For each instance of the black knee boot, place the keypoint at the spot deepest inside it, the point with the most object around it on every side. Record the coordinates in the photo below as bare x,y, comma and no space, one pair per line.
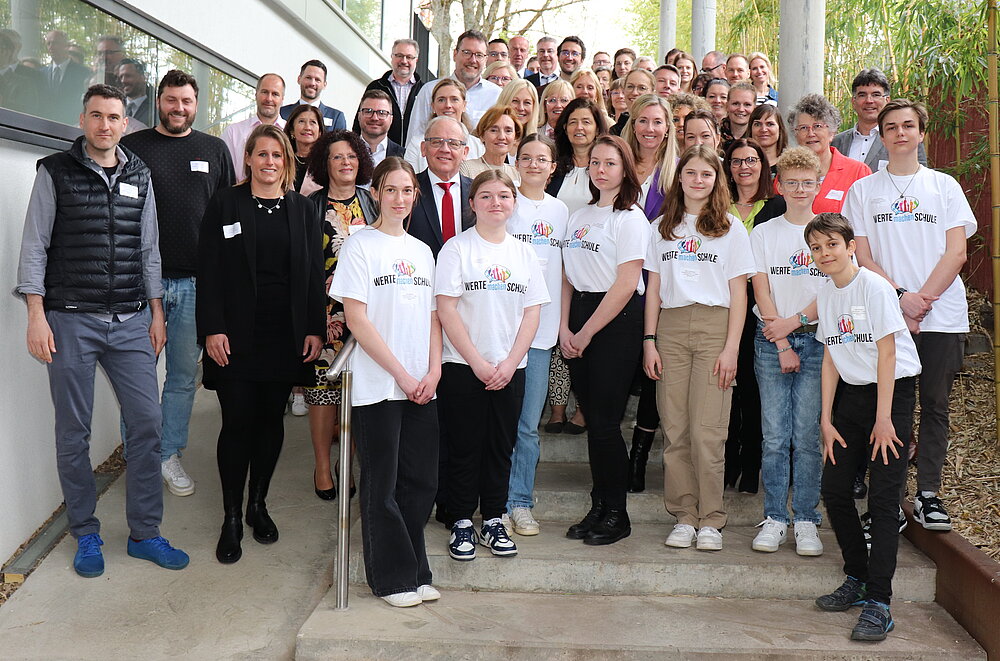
642,440
264,530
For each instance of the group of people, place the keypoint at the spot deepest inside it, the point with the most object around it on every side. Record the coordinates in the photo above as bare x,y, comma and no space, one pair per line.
494,239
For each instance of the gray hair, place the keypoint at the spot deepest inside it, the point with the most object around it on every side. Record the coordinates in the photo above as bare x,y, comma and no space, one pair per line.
441,118
815,105
407,42
548,40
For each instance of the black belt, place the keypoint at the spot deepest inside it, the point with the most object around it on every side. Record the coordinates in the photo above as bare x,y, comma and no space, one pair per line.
811,328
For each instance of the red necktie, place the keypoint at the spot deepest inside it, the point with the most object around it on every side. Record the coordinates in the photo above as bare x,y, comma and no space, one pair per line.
447,213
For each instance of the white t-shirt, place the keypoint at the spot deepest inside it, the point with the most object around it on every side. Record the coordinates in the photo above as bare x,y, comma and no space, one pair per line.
575,190
907,235
493,282
780,252
696,268
542,225
598,240
394,277
853,318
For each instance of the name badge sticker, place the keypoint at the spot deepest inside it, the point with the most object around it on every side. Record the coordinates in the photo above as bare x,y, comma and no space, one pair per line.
835,194
229,231
199,166
859,312
328,121
128,190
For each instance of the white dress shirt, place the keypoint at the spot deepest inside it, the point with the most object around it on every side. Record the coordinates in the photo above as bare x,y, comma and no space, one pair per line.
235,136
861,144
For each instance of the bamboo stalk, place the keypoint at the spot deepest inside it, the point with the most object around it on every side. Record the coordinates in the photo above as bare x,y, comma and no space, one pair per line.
994,116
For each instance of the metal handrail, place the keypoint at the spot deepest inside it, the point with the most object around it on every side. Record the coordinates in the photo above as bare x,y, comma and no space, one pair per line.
337,369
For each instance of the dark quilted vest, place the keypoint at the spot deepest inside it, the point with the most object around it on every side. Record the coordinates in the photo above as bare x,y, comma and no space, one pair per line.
95,255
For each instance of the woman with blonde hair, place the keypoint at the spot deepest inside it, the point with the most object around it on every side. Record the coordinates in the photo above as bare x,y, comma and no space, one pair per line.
555,97
761,78
520,96
649,132
500,73
587,85
500,133
448,99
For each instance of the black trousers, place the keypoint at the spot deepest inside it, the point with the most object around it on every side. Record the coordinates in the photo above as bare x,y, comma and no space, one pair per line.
746,437
480,429
854,417
602,377
397,443
253,431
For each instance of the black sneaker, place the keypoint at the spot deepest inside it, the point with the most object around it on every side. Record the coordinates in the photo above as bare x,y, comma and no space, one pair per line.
874,623
860,489
494,537
851,593
929,512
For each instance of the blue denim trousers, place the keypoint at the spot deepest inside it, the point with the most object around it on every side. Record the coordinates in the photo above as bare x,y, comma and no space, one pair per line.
790,407
526,450
182,352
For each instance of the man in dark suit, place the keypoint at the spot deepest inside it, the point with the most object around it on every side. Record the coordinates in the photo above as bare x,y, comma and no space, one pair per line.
20,85
548,69
401,84
375,119
65,80
312,82
869,94
140,94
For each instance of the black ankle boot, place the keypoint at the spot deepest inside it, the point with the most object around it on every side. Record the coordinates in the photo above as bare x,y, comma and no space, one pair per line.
264,530
228,550
614,526
642,440
580,530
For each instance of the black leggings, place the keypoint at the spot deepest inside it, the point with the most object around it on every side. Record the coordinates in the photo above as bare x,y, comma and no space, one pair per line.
252,433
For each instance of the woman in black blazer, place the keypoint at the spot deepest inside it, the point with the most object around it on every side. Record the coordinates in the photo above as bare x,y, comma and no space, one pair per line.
260,315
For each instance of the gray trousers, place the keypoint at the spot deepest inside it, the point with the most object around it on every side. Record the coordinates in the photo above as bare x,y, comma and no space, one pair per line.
941,356
124,350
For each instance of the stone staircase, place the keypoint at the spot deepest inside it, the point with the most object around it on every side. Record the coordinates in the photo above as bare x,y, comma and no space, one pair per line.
637,599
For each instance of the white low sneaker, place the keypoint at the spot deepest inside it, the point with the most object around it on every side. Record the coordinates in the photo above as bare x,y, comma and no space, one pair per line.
709,539
772,535
681,537
403,599
428,593
299,407
175,477
524,524
807,540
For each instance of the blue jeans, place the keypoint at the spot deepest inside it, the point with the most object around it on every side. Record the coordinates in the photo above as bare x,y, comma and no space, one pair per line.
790,407
526,451
182,352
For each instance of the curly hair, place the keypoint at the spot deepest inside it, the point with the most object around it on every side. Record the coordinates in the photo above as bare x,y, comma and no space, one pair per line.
798,158
318,167
817,107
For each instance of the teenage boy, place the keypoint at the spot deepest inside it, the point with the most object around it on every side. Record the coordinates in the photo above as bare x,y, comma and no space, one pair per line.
788,360
912,224
868,384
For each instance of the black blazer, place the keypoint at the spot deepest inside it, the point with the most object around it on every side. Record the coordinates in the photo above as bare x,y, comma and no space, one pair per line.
65,99
227,270
425,224
392,148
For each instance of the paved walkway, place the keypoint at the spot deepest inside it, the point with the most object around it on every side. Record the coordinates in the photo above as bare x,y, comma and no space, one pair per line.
250,610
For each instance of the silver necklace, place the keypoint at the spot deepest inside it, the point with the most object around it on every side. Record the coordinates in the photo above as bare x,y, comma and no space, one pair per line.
893,182
270,210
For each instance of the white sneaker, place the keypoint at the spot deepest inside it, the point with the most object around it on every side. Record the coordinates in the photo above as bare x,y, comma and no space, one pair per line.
505,520
428,593
681,537
772,535
299,407
524,523
807,540
177,480
709,539
403,599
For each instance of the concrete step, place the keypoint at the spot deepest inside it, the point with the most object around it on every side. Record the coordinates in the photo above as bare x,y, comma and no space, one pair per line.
562,493
642,565
573,448
532,627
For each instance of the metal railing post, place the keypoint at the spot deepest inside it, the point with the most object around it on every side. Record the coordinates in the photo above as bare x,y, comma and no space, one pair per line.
337,369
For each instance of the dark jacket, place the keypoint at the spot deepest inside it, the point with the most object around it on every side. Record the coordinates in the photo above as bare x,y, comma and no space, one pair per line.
64,101
425,224
365,200
333,119
392,148
227,270
95,253
400,116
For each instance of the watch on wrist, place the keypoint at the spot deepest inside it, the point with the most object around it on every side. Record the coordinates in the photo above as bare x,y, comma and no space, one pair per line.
803,319
899,292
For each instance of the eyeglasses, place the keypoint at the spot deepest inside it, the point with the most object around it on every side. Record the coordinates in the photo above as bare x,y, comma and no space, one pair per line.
499,79
570,53
864,96
451,143
711,69
468,53
807,186
339,158
749,161
498,53
404,56
641,89
546,51
381,114
816,128
528,160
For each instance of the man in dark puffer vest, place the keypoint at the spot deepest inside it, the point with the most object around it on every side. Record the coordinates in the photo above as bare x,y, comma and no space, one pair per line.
90,274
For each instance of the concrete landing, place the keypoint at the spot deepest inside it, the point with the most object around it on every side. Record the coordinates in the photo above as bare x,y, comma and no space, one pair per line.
533,627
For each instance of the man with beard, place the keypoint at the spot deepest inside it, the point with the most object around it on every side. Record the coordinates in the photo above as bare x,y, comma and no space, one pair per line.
374,121
187,169
270,92
402,84
312,82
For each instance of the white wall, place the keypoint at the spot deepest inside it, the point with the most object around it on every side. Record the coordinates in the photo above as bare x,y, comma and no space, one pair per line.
261,36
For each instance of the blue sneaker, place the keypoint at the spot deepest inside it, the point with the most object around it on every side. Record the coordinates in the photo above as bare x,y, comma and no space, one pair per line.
852,593
462,545
874,623
89,562
158,551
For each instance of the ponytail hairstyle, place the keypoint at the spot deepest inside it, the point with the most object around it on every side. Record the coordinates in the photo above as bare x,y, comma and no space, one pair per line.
713,220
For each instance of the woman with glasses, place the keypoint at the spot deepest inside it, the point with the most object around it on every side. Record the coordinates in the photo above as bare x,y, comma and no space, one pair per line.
448,99
499,132
767,129
500,73
637,83
521,97
342,161
815,121
616,98
555,97
760,77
